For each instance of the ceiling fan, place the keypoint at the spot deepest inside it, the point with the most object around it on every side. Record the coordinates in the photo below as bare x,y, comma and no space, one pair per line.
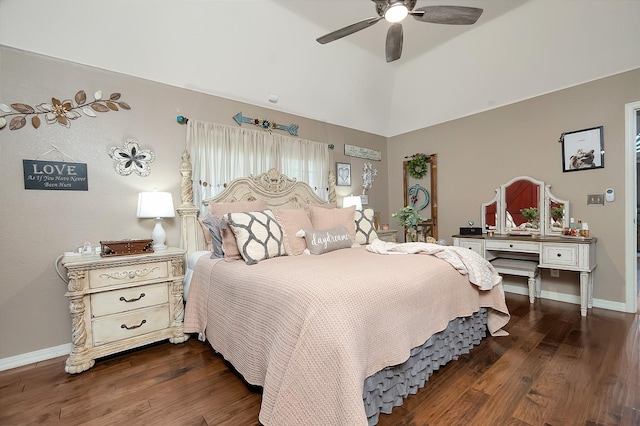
395,11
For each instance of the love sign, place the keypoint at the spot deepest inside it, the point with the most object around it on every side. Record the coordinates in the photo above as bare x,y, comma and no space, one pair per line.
55,175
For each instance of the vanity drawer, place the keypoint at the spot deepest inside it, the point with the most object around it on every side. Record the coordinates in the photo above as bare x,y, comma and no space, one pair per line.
560,255
127,299
476,245
513,245
114,328
128,274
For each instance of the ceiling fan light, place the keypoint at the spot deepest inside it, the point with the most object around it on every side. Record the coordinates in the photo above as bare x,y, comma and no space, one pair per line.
396,12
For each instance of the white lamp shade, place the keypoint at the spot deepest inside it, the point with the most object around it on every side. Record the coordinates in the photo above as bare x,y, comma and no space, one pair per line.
155,204
353,200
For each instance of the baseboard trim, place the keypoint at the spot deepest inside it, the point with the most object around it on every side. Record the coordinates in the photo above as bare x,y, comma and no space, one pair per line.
35,356
568,298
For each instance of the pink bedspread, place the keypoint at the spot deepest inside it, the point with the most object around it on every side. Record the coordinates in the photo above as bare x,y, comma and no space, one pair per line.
310,329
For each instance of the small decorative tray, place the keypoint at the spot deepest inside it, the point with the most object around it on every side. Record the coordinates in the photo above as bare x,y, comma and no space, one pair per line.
125,247
516,232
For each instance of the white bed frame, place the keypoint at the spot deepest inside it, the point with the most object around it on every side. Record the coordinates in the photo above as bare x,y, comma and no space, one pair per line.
278,190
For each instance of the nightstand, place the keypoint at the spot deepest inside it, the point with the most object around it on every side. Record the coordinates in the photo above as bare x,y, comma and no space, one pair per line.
122,302
388,235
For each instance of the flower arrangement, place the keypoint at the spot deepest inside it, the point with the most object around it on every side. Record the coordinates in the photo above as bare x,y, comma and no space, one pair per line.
409,217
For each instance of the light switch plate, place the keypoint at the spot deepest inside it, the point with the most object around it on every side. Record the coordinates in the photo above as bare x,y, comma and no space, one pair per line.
595,199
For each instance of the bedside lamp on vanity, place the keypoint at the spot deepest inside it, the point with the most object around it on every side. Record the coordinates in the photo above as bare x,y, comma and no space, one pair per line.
156,205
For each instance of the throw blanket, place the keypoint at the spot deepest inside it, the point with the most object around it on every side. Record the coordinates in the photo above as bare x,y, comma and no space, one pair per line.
310,329
480,270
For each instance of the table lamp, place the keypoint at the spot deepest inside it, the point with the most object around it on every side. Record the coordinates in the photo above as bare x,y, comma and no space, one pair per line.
353,200
156,205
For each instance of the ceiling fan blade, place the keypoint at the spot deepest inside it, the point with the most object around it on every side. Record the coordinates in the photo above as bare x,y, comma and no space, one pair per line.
451,15
393,47
350,29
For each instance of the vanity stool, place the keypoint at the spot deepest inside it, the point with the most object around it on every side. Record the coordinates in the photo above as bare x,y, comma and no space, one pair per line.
521,268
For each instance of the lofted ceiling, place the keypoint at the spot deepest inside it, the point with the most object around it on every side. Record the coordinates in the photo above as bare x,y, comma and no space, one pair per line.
247,50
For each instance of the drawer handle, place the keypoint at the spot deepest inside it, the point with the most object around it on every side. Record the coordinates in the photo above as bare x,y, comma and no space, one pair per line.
133,326
511,245
559,255
122,298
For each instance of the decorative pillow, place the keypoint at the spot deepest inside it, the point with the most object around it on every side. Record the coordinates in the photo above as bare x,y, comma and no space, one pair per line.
215,237
218,210
258,235
291,221
206,232
326,240
365,230
322,218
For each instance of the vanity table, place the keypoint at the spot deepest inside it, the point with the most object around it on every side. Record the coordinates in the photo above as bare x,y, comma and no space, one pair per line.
552,252
533,243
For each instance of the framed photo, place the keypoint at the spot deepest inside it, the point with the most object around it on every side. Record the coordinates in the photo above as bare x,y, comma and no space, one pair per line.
583,150
343,174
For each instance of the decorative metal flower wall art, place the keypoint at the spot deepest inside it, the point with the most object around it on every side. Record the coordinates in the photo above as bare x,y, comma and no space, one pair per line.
61,112
131,158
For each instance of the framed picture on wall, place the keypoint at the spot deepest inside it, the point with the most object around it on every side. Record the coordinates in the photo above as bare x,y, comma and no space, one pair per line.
583,150
343,174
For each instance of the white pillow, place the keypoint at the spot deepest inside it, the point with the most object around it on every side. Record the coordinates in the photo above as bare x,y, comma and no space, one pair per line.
258,235
365,230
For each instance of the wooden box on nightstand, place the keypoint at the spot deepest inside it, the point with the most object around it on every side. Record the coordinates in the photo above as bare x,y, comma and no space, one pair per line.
388,235
119,303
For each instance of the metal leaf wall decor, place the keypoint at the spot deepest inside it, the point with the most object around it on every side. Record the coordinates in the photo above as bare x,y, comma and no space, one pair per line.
61,112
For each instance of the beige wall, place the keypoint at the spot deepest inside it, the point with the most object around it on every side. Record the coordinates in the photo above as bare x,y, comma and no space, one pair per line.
37,226
475,155
478,153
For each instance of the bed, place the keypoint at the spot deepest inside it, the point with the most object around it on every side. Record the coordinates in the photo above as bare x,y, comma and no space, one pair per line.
340,336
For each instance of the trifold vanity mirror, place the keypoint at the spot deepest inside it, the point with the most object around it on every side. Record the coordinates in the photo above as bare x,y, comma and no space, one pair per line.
525,206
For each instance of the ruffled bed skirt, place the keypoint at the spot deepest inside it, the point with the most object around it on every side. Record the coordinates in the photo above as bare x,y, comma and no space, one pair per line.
388,388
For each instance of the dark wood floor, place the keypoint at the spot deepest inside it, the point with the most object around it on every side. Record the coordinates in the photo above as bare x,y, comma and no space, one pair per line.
555,368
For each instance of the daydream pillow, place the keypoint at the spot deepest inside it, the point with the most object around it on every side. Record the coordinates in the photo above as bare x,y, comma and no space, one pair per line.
291,221
218,210
258,235
326,240
322,218
365,231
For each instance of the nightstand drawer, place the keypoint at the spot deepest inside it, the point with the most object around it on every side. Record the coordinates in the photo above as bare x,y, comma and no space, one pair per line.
561,255
127,274
135,323
127,299
513,245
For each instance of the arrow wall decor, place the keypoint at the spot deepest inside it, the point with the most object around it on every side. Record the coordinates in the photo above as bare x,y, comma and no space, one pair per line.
266,124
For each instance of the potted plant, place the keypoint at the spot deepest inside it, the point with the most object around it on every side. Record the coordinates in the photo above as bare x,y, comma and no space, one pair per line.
531,215
409,217
557,213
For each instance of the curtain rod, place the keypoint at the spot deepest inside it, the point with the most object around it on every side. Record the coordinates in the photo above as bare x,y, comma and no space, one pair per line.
181,119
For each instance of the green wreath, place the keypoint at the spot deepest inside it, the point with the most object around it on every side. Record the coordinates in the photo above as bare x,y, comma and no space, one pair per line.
418,166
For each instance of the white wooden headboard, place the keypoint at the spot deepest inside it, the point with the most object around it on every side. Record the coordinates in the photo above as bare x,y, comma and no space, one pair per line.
278,190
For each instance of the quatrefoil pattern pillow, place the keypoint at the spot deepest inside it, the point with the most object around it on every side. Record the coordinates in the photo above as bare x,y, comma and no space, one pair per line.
365,230
258,235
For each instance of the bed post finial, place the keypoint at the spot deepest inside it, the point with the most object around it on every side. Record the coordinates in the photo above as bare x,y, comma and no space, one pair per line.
332,186
191,237
186,187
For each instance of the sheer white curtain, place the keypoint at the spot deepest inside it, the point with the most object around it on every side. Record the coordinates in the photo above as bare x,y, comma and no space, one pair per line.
221,153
